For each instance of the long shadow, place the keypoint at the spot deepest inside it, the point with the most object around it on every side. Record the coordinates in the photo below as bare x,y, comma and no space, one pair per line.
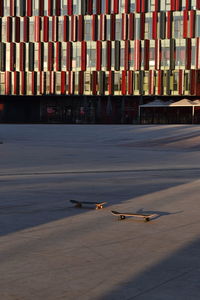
176,277
158,214
36,207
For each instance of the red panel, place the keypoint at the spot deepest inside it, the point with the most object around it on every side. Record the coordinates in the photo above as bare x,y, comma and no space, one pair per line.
192,23
146,54
138,6
16,83
124,27
12,56
198,4
173,5
127,6
130,82
26,29
142,25
151,82
34,83
54,28
69,56
126,55
12,8
137,54
46,29
169,24
178,4
131,26
157,54
192,82
154,25
9,29
116,6
50,8
37,28
23,83
1,7
94,26
17,29
112,27
180,82
188,54
198,54
107,10
71,83
185,23
98,6
102,27
41,8
94,82
188,4
22,57
81,27
52,82
42,87
73,28
124,77
99,56
110,82
143,6
57,7
160,84
58,56
81,83
29,8
50,56
69,7
89,7
7,83
83,55
108,55
157,5
65,28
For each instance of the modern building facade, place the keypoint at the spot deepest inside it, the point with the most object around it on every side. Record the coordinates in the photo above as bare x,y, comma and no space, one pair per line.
88,61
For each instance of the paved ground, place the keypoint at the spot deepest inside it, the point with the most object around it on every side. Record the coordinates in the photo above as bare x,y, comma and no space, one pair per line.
51,250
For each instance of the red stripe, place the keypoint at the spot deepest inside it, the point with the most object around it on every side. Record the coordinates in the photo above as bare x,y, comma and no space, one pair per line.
99,56
16,83
131,26
40,57
192,82
107,11
169,24
94,82
37,28
58,56
12,56
185,23
124,77
81,27
52,82
81,83
41,8
63,83
46,29
157,54
112,27
180,82
146,54
29,8
151,82
188,54
198,53
198,4
160,85
65,28
154,25
17,29
57,7
142,25
173,5
98,7
89,7
83,55
69,56
127,5
192,23
116,6
137,54
50,56
22,57
94,26
50,8
138,6
9,29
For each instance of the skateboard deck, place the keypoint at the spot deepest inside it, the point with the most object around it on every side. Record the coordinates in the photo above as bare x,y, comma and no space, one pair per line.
122,216
98,205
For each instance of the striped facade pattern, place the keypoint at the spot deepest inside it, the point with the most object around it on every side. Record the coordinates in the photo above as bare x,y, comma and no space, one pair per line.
100,47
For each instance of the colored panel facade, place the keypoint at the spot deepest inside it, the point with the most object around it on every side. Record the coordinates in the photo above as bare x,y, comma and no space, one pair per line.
109,47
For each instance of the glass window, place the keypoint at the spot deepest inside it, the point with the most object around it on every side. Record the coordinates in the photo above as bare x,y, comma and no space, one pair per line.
165,53
118,29
180,54
132,6
178,26
87,31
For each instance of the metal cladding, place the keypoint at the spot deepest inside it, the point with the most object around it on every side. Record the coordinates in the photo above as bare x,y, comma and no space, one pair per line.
100,47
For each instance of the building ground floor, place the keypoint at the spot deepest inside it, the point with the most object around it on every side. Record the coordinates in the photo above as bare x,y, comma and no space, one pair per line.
95,110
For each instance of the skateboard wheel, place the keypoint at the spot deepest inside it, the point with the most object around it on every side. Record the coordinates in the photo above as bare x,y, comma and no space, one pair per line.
122,217
147,220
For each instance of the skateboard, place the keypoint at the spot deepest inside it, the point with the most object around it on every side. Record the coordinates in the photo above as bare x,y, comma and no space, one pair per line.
98,205
122,216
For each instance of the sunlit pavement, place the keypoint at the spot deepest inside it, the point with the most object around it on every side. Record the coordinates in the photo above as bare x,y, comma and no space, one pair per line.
51,250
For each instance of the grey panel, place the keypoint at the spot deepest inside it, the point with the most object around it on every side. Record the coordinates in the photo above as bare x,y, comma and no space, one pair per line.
22,7
31,57
117,55
168,75
2,56
162,24
83,7
101,82
172,50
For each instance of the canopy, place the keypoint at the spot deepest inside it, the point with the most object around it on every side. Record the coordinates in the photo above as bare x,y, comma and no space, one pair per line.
169,103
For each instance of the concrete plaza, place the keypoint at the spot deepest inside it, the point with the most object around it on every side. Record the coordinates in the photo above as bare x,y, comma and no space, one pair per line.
51,250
